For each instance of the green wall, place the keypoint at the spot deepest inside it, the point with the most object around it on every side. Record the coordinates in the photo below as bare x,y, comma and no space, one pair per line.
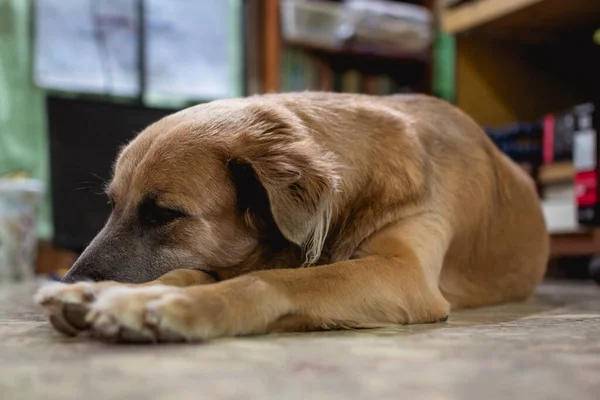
23,141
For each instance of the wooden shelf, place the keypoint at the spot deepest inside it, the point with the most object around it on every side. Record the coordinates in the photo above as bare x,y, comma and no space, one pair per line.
362,51
51,259
539,17
556,172
575,244
507,71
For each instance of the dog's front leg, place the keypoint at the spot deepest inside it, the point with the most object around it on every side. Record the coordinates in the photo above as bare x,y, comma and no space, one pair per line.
394,282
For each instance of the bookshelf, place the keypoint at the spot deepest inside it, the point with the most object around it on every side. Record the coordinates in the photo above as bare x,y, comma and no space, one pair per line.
474,14
518,60
556,172
357,52
542,18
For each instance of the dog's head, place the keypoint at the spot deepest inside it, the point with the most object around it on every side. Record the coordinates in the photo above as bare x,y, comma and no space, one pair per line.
210,188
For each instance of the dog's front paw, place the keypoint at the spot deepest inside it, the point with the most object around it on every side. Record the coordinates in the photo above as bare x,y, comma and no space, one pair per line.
66,305
158,314
199,313
181,315
119,314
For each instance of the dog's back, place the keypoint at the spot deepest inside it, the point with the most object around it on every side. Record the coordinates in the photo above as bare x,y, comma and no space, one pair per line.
406,150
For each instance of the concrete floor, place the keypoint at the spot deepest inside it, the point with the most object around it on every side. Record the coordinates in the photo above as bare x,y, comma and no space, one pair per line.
546,348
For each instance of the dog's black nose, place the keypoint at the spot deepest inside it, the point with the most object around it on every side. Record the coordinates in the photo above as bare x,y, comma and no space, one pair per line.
69,278
74,276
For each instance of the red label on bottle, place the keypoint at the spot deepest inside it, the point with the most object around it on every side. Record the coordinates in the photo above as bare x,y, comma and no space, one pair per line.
586,188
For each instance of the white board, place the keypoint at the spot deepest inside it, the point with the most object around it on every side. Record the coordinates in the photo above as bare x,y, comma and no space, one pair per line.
193,49
87,46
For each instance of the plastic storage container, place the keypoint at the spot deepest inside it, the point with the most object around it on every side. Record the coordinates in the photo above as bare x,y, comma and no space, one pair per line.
320,23
18,235
406,27
399,25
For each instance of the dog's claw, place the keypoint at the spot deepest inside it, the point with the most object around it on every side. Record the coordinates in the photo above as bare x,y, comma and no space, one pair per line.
153,321
152,318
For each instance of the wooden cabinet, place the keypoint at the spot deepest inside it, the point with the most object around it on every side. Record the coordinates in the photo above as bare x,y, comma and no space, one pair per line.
520,59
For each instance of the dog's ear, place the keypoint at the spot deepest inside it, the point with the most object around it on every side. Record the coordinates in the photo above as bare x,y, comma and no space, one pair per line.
298,178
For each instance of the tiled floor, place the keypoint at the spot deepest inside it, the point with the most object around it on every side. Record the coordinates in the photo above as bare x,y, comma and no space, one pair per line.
546,348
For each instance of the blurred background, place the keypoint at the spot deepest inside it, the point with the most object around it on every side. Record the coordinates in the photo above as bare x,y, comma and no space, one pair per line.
79,78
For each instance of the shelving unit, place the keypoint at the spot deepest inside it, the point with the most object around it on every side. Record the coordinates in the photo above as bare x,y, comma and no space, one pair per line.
364,52
350,55
539,17
520,59
575,243
563,171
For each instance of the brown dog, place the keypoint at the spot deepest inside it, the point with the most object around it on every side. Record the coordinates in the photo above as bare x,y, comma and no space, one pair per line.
313,211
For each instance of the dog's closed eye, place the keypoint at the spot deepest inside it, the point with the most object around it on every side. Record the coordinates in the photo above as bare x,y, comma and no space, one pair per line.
151,214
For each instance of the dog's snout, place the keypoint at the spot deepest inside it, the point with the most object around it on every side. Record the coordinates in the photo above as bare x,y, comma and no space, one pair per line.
82,270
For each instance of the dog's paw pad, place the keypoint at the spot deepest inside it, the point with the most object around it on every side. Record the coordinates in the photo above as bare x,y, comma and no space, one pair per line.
61,325
75,315
66,305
